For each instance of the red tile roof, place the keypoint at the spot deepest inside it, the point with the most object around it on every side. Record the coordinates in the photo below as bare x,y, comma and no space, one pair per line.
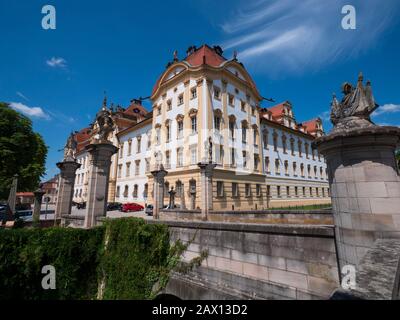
311,125
205,55
24,194
277,110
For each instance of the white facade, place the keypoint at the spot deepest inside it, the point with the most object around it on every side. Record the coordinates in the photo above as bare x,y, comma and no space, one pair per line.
132,165
81,177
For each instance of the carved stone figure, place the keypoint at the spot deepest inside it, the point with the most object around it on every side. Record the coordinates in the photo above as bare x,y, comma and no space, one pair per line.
104,122
70,148
354,110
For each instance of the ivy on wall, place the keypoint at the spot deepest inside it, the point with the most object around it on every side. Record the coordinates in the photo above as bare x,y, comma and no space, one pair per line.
123,259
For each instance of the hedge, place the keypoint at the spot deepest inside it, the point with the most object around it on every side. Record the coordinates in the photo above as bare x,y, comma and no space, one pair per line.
123,259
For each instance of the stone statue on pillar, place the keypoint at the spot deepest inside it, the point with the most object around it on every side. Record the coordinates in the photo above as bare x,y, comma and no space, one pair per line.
101,149
70,148
363,174
206,174
355,108
66,183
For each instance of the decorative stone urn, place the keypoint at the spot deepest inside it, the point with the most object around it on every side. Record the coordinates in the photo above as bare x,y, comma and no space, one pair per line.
363,174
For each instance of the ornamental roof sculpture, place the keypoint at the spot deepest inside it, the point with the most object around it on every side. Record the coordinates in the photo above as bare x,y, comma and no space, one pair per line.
104,123
70,148
354,111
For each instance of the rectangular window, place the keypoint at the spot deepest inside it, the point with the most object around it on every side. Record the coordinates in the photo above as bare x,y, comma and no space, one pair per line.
167,159
277,167
278,191
231,99
137,167
244,134
129,147
147,165
267,168
235,190
296,191
217,123
258,190
138,145
232,129
243,106
194,124
288,191
180,129
244,159
256,162
286,167
193,155
128,169
233,160
119,170
220,189
180,99
168,131
268,191
247,190
179,157
193,93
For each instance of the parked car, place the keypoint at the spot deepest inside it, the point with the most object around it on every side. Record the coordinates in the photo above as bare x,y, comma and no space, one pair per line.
81,205
111,206
25,215
128,207
149,210
23,206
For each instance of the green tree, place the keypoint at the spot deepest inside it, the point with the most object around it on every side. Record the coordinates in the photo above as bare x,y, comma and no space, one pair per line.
22,152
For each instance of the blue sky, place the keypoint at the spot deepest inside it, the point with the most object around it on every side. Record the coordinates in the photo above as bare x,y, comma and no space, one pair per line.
295,50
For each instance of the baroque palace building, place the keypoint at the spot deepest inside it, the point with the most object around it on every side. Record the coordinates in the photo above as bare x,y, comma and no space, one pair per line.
264,157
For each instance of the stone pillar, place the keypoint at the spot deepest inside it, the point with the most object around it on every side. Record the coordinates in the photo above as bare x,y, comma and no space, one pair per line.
365,188
99,175
206,174
65,188
37,205
158,190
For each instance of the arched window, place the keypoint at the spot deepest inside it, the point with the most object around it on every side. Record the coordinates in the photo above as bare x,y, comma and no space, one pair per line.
126,190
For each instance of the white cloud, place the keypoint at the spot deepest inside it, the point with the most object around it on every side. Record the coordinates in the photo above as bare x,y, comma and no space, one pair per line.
57,62
34,112
387,108
283,35
19,94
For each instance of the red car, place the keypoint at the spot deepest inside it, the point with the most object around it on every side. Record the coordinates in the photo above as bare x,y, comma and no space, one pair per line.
128,207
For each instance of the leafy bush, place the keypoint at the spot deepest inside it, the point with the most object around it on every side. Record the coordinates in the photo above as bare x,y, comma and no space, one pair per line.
123,259
73,253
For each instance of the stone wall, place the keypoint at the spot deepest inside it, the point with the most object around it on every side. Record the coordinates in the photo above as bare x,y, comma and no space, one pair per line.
256,261
319,217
